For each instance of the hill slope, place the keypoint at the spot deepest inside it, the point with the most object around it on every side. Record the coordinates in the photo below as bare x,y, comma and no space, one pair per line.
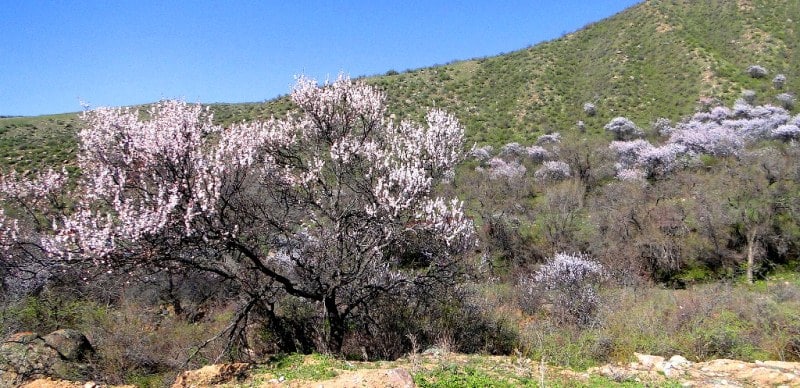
656,59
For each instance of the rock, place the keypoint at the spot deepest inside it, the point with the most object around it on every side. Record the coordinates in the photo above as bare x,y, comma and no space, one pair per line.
722,372
677,360
653,362
399,377
723,365
27,356
212,374
782,365
72,345
675,366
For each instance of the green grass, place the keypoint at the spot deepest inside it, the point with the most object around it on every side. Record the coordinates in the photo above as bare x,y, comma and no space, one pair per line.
300,367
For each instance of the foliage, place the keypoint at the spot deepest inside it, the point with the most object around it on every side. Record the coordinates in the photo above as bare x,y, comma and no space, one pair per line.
460,377
590,109
330,205
299,367
757,71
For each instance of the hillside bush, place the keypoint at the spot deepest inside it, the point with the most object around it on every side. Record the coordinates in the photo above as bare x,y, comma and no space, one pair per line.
550,138
590,109
757,71
779,81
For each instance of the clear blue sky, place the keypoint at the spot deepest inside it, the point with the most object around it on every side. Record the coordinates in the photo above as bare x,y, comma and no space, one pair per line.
55,54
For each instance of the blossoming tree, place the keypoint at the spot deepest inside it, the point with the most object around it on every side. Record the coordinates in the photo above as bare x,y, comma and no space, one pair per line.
330,205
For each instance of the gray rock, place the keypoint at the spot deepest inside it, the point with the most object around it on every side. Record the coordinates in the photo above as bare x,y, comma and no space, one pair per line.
72,345
27,356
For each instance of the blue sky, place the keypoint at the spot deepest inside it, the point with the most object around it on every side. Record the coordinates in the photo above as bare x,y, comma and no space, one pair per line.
55,54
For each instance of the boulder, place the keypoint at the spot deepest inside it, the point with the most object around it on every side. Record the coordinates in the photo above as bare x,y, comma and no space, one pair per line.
70,344
28,356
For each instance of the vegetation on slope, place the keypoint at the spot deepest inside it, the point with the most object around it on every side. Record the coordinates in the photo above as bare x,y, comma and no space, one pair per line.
656,59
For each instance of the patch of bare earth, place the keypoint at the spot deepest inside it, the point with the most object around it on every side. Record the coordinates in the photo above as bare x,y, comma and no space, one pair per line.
648,370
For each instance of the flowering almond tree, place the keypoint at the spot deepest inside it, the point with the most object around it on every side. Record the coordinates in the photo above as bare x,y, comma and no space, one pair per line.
333,205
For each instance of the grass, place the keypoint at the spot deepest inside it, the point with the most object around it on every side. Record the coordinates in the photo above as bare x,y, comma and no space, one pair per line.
447,370
707,321
299,367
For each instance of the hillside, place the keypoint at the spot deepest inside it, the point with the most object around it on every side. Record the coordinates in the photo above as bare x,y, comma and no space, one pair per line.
656,59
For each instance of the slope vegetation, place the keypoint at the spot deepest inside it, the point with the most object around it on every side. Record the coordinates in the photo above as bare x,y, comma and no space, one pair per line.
656,59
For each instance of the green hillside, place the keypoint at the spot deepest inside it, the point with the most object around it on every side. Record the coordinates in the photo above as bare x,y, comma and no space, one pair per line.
656,59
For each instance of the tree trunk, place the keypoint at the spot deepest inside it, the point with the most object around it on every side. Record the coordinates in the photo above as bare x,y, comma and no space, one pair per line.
335,327
751,248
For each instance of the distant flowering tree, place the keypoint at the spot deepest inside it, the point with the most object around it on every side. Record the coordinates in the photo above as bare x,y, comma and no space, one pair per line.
779,81
623,129
718,131
638,159
757,122
500,169
741,107
552,171
333,205
628,151
536,154
709,138
715,114
757,71
570,283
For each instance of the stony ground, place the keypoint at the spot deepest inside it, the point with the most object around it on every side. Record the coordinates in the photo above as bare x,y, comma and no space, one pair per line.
450,369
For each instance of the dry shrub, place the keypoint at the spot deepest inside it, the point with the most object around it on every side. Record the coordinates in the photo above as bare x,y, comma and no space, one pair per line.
135,340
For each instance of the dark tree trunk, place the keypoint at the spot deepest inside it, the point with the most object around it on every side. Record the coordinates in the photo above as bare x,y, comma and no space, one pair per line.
336,327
